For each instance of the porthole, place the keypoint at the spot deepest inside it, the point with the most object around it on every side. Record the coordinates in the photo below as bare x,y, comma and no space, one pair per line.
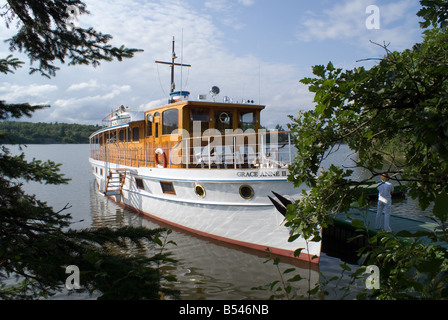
199,190
246,192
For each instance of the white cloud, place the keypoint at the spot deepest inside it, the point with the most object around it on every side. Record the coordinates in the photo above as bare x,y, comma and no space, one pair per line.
346,22
218,5
91,84
246,3
15,93
109,93
226,5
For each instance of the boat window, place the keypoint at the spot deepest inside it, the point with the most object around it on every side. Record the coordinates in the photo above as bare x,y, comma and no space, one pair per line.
202,116
156,125
112,137
170,121
135,134
139,183
128,134
149,121
223,120
167,187
247,120
121,135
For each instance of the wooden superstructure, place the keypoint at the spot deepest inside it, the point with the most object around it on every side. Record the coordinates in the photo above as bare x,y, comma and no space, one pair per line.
135,142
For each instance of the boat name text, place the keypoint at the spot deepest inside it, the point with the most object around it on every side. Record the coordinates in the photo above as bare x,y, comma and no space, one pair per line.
257,174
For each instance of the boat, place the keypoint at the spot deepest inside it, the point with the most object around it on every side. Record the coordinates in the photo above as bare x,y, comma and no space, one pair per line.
203,166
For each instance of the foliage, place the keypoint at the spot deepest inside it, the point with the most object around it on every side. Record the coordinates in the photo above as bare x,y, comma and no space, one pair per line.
403,99
410,269
284,287
37,133
45,36
434,13
37,243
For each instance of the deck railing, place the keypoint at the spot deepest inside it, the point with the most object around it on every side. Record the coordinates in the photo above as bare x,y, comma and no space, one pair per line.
271,149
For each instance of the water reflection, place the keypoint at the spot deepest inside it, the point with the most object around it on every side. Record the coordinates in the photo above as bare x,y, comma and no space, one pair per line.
206,270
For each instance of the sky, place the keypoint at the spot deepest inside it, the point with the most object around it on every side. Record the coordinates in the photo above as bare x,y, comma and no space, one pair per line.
251,49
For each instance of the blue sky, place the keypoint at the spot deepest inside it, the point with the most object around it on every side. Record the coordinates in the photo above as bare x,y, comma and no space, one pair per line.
251,49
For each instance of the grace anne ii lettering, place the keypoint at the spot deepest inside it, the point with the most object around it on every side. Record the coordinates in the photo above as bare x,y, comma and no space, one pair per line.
255,174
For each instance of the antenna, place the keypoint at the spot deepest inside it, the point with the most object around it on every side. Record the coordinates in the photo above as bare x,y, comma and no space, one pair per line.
181,59
172,64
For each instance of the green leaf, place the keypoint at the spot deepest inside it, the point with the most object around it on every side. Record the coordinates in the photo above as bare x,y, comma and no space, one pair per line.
297,252
295,278
289,270
440,209
357,223
345,267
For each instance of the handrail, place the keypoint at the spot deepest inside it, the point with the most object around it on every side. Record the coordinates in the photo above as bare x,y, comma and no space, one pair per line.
230,151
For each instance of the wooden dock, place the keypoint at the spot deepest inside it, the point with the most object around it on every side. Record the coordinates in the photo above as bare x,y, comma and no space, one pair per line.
336,237
397,223
339,239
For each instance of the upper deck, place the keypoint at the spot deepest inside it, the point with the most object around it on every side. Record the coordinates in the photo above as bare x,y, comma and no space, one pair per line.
191,134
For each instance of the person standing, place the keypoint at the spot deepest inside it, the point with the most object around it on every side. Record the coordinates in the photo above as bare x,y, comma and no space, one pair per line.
385,190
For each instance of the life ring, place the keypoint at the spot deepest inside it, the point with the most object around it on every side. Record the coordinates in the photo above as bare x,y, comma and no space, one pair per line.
164,161
224,118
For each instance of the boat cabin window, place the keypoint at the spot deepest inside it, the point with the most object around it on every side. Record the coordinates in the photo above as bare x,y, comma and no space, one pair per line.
167,187
149,121
121,135
112,137
156,125
135,134
223,120
201,116
139,183
247,120
170,121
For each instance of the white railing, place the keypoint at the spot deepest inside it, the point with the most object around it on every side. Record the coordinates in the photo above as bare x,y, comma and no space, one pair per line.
250,150
230,151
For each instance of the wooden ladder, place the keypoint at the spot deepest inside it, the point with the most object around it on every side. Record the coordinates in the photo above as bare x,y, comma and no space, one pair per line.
115,181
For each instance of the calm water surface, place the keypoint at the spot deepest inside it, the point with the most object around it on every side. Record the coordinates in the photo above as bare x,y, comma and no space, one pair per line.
205,270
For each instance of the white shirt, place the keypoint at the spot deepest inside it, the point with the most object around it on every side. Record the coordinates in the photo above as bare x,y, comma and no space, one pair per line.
385,190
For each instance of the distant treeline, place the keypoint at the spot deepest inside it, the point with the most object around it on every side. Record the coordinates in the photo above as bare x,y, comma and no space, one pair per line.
45,133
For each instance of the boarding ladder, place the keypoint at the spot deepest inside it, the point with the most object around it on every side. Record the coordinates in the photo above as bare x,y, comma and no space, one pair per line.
114,182
115,178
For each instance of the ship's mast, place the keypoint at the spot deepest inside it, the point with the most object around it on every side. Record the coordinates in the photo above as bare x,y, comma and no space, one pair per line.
173,64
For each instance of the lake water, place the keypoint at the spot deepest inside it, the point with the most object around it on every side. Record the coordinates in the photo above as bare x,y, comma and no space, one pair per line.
205,270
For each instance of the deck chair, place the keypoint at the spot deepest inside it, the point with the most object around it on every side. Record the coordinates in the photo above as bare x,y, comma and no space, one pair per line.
205,157
248,155
227,156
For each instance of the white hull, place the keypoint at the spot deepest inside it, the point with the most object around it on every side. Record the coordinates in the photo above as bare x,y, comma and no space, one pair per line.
222,213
